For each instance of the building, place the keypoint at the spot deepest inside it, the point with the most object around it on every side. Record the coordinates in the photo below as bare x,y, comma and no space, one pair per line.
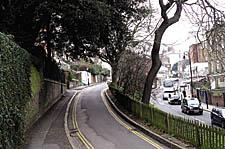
198,53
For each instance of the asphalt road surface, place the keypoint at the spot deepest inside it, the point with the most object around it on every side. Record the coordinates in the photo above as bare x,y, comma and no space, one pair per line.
176,110
101,128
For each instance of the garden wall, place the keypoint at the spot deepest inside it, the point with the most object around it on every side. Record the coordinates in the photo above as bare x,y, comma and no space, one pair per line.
43,98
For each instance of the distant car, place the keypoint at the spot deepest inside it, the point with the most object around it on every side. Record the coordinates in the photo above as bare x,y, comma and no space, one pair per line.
174,97
168,89
191,105
218,116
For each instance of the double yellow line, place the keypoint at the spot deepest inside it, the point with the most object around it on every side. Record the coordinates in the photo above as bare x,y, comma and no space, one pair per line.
126,126
75,125
87,143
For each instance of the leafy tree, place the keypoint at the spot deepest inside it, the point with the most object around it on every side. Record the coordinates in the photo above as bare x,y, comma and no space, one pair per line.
105,72
76,28
95,69
127,17
71,27
17,18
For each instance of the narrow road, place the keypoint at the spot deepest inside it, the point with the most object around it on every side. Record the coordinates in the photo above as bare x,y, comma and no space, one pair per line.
101,128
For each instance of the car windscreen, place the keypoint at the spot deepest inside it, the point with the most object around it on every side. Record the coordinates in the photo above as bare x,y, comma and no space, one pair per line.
193,102
168,84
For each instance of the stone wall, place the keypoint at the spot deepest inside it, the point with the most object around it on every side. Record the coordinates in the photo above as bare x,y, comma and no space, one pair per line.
50,92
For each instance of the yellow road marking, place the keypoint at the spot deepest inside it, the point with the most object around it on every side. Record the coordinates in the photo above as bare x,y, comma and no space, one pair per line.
126,126
75,125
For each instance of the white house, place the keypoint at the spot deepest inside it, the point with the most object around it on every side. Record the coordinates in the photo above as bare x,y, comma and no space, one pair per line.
84,77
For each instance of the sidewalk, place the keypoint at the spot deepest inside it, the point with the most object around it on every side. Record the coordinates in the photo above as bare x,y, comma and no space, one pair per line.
209,109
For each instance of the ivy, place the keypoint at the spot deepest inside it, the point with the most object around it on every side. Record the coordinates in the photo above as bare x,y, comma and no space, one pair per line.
15,91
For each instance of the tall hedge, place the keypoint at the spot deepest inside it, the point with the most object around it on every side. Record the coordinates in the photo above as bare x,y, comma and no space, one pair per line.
15,91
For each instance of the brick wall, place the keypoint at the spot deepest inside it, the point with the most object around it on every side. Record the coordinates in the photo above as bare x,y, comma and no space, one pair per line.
218,100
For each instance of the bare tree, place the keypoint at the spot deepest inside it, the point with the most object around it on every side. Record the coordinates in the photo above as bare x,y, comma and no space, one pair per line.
156,62
209,17
133,66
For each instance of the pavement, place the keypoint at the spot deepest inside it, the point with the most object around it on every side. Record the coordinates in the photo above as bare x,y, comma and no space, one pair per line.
48,132
51,131
207,108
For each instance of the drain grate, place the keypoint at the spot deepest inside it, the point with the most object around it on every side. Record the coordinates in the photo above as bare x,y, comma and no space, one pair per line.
133,129
73,132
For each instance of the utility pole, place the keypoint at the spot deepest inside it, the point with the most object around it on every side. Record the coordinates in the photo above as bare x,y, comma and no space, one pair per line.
188,54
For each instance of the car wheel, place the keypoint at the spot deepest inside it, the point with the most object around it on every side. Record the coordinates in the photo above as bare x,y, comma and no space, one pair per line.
188,112
212,123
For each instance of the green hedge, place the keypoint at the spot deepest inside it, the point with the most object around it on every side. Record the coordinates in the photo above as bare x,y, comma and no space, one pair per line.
15,91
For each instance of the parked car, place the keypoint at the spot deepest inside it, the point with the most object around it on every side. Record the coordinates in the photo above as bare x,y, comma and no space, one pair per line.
218,116
191,105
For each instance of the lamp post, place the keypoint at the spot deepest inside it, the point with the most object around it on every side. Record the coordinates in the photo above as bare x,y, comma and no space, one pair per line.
88,77
188,54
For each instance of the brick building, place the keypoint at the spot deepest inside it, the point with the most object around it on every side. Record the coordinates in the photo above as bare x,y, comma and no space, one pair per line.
198,53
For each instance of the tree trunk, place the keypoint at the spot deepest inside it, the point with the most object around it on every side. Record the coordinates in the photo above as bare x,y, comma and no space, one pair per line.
49,54
156,62
114,75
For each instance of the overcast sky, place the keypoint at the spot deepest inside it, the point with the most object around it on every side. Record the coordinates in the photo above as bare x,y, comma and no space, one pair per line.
180,35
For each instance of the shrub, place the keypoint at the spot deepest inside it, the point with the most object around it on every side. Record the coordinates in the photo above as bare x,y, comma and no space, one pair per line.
217,87
204,88
15,91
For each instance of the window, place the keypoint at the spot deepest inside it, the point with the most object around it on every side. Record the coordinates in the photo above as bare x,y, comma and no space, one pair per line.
168,84
193,102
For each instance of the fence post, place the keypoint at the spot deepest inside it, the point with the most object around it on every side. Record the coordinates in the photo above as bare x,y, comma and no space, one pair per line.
197,132
152,114
168,123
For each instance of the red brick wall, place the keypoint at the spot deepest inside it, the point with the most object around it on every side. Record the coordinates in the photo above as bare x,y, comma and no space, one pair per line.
218,100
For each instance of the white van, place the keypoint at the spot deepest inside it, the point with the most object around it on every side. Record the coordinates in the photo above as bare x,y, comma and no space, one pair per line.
170,92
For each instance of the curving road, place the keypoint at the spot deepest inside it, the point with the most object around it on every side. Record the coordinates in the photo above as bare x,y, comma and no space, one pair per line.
100,128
